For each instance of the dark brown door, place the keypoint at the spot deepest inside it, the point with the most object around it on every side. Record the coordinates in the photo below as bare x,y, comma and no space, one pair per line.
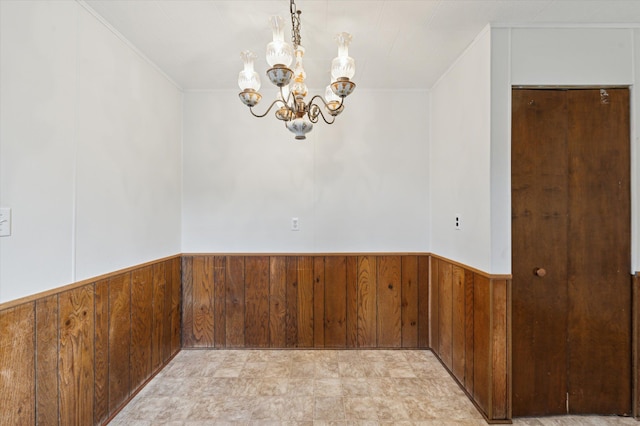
571,319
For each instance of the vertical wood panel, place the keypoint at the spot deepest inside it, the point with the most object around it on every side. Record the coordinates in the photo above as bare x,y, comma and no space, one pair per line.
141,325
352,302
458,323
445,326
291,316
318,301
188,339
481,343
410,284
175,278
423,301
599,251
367,302
257,301
119,339
47,360
335,332
17,381
500,365
389,301
159,296
469,309
278,301
76,357
235,301
434,306
539,218
168,311
203,293
635,299
101,346
305,301
220,297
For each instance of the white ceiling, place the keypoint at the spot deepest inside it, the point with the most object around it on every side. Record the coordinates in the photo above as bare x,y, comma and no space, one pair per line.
397,44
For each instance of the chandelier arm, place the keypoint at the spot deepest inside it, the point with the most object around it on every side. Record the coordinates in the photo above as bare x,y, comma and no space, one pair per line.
285,101
311,119
268,109
325,102
333,118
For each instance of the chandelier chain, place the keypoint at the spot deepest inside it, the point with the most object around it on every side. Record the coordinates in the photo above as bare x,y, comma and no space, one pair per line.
295,24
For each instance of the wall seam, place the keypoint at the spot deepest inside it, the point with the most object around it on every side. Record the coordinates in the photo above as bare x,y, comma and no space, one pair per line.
74,162
126,41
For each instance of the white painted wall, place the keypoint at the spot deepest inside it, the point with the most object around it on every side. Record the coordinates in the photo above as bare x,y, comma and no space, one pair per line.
90,159
555,57
359,185
500,155
460,160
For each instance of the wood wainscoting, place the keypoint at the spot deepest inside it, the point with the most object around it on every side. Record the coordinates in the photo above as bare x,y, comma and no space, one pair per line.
470,333
308,301
76,355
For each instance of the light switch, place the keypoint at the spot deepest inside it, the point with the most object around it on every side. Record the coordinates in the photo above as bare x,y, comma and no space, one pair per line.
5,222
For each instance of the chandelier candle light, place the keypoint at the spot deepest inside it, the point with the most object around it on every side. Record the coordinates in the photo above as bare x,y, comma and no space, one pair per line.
297,114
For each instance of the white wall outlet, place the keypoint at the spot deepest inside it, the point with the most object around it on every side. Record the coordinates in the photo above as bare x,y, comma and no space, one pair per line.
5,222
295,224
458,222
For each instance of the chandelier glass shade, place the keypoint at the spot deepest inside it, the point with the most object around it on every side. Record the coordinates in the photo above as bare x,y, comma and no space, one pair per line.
292,108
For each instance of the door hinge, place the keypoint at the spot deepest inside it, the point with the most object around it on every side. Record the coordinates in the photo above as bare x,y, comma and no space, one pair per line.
567,402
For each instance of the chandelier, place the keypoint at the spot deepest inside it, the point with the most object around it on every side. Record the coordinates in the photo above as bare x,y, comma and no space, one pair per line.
298,115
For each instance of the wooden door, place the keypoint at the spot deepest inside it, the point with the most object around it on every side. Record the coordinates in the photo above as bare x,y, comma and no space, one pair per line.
571,252
539,240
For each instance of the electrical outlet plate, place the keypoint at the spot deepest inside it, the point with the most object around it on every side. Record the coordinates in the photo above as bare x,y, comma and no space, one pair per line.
458,222
5,222
295,224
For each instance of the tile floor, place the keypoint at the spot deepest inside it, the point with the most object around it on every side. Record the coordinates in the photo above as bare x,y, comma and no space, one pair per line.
307,387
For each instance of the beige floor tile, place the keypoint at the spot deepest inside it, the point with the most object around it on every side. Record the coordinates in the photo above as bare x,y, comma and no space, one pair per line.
299,408
267,408
328,408
235,409
402,371
243,386
390,409
377,369
234,371
301,387
275,386
360,408
327,387
352,368
302,369
383,387
355,387
173,409
326,369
